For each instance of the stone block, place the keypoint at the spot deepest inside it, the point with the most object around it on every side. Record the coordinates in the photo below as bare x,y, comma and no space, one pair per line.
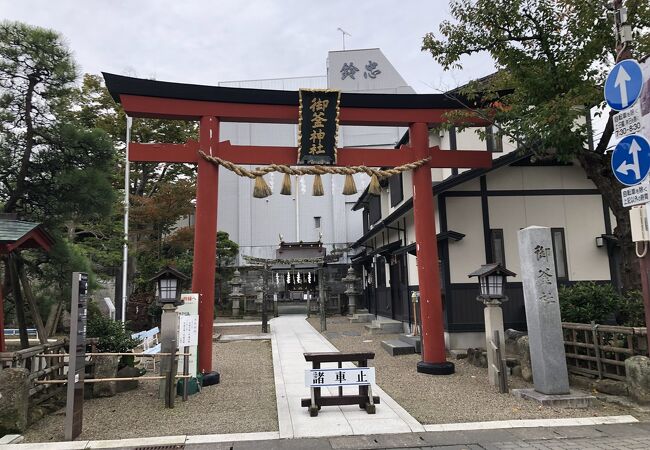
11,439
415,341
127,372
477,357
637,370
105,367
396,347
571,400
14,400
523,353
511,338
611,387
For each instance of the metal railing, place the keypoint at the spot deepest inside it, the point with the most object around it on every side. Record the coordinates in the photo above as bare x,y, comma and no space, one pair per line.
601,350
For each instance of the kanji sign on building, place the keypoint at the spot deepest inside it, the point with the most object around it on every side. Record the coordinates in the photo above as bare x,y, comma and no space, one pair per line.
318,126
357,376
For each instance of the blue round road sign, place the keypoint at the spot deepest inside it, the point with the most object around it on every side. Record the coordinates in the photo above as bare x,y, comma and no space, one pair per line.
631,160
623,85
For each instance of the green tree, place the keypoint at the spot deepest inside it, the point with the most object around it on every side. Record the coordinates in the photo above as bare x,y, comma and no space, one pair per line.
51,170
552,56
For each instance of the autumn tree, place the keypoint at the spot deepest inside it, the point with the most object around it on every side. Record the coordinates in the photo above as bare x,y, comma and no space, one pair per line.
552,56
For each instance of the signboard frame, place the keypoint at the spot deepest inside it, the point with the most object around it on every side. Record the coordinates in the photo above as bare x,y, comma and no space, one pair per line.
73,423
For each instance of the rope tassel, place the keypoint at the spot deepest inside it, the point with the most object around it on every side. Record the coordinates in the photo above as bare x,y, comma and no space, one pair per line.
374,188
286,185
261,189
349,187
317,188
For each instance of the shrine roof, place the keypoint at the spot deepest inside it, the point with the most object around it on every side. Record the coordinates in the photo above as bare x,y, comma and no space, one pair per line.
122,85
21,234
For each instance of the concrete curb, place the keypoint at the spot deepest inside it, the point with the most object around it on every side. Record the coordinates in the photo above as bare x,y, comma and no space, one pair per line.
274,435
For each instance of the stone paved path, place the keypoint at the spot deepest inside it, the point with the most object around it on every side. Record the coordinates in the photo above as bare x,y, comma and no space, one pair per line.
291,336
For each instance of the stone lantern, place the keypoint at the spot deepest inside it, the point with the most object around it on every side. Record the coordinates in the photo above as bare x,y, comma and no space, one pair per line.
236,294
168,292
351,290
168,286
259,291
492,281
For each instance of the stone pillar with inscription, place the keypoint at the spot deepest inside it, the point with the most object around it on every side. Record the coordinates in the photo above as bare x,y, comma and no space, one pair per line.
548,360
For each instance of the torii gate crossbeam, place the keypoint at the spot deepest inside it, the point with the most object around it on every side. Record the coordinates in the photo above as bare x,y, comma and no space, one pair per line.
212,105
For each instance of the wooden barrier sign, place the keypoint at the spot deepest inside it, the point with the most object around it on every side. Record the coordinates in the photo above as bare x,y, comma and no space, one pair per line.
358,376
361,376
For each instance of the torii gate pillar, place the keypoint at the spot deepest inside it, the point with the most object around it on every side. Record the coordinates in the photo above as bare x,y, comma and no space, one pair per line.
433,339
205,239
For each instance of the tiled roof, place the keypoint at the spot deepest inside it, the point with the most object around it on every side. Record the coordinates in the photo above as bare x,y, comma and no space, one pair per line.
13,230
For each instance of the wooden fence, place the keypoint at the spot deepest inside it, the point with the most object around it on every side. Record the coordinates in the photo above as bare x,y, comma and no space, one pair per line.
40,368
601,350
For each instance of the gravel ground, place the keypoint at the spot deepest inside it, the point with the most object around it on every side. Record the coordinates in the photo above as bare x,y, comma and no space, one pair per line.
465,396
243,402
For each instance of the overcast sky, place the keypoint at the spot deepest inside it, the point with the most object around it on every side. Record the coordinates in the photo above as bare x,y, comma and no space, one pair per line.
204,42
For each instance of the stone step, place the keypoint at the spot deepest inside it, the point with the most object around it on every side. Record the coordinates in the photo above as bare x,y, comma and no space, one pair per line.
415,341
397,347
362,318
386,326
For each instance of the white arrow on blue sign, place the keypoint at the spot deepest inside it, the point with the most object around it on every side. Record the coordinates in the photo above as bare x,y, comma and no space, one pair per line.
623,85
631,159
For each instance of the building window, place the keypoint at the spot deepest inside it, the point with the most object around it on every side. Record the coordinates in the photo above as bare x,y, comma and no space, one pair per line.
381,271
374,206
366,220
498,247
493,139
396,190
559,252
317,222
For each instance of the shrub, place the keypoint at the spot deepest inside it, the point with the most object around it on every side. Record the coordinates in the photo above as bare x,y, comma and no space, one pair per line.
631,310
587,301
112,334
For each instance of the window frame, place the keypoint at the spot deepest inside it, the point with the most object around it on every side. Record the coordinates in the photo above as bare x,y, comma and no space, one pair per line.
374,207
564,254
493,139
396,186
497,233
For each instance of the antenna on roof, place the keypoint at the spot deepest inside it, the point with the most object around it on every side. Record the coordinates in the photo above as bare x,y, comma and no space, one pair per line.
343,34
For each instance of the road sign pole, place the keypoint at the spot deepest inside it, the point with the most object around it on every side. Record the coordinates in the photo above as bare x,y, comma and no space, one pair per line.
623,52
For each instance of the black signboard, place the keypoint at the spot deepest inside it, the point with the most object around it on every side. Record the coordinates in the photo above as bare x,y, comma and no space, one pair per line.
318,126
77,360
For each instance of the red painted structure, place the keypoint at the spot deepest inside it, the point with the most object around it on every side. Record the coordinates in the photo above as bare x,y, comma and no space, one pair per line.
36,237
210,105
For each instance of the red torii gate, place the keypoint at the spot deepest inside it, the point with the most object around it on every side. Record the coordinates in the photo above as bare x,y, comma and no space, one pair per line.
211,105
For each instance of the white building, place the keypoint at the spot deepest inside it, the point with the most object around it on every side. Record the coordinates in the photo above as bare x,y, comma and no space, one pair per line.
256,224
478,214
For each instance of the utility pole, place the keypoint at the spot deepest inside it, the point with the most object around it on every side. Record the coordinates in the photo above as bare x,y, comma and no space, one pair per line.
624,51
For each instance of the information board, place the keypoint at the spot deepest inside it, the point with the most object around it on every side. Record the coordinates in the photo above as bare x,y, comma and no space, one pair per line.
73,422
189,308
